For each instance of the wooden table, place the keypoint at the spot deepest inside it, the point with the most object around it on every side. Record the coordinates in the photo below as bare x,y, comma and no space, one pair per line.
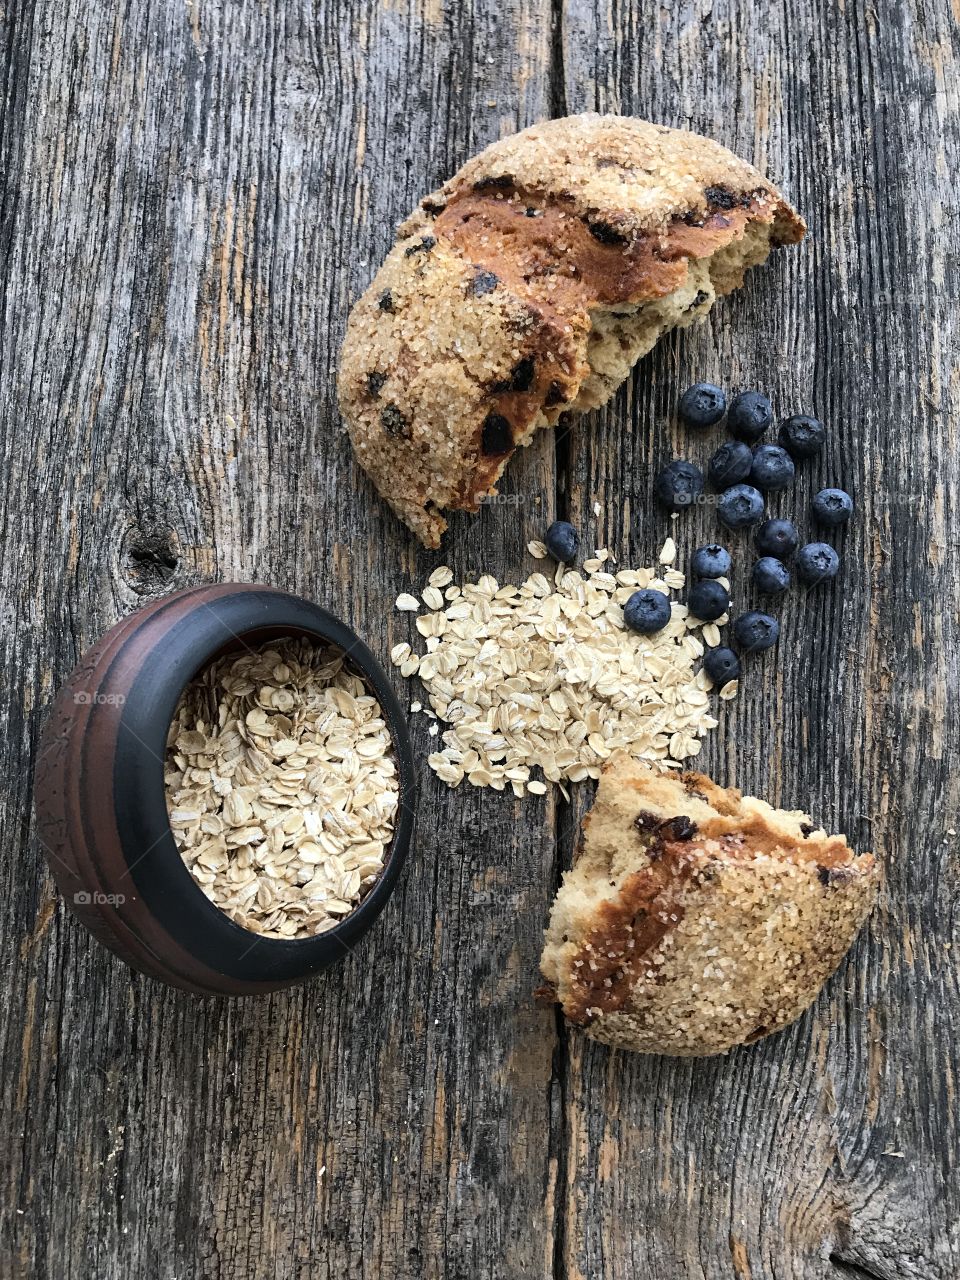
193,195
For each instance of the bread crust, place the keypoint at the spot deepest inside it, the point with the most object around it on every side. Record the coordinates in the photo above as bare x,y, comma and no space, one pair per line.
529,284
695,918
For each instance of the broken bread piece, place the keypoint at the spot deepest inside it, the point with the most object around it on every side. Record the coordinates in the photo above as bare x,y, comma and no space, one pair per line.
530,284
695,918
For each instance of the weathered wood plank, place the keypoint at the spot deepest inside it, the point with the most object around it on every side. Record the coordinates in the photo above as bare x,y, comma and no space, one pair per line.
192,195
202,190
826,1144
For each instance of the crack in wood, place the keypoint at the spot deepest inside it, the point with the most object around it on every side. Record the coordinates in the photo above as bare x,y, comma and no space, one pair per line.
854,1267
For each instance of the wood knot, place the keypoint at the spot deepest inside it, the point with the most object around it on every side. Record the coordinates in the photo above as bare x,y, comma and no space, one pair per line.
149,560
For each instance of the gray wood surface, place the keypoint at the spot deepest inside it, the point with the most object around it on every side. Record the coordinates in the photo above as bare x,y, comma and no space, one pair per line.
192,195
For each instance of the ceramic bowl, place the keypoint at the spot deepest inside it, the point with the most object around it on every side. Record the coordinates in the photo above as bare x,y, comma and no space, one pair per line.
101,808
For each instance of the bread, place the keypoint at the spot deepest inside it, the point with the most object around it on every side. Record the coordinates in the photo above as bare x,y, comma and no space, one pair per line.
696,919
529,284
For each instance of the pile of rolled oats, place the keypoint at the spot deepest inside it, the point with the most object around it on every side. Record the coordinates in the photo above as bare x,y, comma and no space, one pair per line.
282,787
546,676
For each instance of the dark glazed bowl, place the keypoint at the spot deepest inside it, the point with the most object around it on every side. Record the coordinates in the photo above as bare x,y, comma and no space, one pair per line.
101,808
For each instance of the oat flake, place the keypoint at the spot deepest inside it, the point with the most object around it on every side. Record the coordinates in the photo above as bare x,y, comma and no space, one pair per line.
281,786
546,676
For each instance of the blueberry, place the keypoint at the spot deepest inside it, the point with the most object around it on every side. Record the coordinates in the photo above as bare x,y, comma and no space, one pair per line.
647,611
739,506
817,562
730,464
708,600
772,467
702,405
755,631
770,576
721,665
777,538
832,507
679,484
712,561
802,436
563,541
750,415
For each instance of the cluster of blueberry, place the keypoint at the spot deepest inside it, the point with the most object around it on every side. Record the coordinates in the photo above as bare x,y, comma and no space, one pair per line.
768,467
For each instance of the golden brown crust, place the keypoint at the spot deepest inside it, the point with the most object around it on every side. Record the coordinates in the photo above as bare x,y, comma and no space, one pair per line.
696,918
528,284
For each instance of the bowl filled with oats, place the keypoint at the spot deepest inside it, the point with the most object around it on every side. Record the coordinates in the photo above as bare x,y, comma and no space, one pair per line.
226,789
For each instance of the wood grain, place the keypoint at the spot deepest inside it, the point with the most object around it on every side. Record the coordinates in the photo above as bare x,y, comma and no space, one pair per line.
827,1143
192,195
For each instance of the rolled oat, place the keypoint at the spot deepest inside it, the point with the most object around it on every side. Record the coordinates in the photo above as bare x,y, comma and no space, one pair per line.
546,676
281,786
